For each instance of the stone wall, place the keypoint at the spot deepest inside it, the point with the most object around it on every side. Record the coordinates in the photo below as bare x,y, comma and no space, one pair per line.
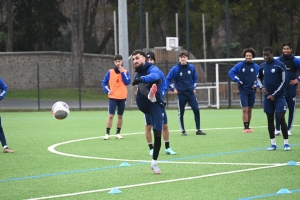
56,69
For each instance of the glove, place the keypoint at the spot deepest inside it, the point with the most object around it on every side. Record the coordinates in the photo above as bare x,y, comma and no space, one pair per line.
2,95
136,81
236,79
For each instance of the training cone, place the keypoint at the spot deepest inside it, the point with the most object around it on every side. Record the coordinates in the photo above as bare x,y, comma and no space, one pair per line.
114,191
291,163
124,164
284,191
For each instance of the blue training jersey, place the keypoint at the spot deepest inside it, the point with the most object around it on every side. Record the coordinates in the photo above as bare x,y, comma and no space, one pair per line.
272,76
184,76
3,88
292,66
149,75
246,72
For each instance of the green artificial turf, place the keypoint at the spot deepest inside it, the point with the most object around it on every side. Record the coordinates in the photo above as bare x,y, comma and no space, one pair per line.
67,159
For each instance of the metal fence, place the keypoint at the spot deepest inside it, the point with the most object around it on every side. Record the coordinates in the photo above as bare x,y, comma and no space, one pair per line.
81,89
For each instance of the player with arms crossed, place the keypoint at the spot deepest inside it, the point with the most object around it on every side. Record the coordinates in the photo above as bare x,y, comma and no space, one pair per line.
114,85
292,66
185,82
272,78
244,73
150,75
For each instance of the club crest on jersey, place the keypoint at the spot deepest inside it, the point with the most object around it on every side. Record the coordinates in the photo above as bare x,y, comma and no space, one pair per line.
180,73
189,72
252,70
243,69
273,70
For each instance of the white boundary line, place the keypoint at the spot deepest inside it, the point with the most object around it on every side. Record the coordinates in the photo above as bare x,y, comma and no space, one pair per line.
157,182
52,149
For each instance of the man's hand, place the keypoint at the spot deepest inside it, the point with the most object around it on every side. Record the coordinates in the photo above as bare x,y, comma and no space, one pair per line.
121,69
271,98
294,82
136,81
264,90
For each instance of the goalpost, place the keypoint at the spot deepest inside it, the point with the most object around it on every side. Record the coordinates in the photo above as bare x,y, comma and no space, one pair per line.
216,86
219,64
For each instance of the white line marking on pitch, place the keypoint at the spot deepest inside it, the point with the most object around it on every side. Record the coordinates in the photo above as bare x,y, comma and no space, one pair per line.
52,149
157,182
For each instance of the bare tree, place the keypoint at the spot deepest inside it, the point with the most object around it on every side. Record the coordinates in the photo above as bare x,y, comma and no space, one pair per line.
89,22
77,37
9,20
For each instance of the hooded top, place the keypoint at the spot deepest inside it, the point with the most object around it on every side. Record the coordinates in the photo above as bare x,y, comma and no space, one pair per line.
246,72
185,78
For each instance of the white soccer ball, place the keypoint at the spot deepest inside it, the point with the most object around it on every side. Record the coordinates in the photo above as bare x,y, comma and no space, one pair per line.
60,110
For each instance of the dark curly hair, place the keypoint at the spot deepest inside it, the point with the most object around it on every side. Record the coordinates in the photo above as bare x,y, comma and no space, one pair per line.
250,50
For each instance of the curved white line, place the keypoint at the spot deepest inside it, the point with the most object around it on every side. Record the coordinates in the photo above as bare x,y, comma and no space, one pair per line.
52,150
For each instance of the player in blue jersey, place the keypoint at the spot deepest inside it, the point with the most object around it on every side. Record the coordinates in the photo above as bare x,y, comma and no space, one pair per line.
292,65
3,91
114,84
150,75
244,73
165,132
185,82
271,79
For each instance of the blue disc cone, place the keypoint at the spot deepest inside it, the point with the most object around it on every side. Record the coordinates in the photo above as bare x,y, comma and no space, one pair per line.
284,191
124,164
114,191
291,163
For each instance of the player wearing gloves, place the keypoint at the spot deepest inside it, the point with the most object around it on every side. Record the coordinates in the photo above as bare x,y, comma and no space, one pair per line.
185,82
3,90
114,85
244,73
272,79
150,75
292,66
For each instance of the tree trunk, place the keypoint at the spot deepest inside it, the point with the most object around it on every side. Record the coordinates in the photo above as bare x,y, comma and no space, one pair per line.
77,39
10,18
89,29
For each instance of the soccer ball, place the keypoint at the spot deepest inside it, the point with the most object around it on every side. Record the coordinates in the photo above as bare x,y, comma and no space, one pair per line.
60,110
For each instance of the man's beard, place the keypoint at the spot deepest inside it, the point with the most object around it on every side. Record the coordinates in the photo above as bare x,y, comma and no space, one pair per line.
138,68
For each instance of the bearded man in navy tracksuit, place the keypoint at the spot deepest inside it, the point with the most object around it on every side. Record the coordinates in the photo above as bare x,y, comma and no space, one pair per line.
150,75
272,78
292,66
185,82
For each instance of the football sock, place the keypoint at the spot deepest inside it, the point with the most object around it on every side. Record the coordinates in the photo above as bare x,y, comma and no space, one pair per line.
157,143
273,141
246,125
118,130
150,146
167,144
107,131
286,141
153,162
